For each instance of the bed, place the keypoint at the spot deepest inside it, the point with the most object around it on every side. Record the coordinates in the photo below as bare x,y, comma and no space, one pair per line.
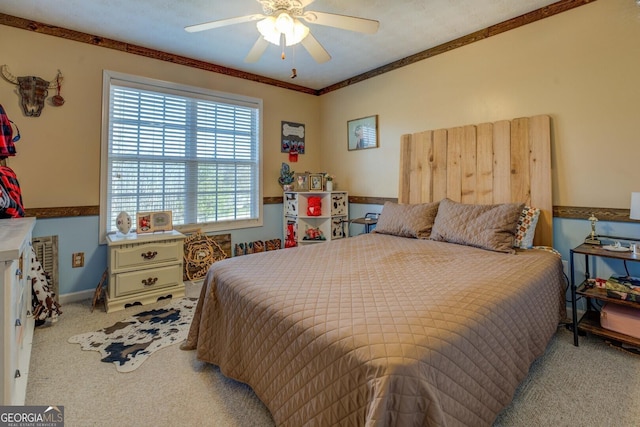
432,320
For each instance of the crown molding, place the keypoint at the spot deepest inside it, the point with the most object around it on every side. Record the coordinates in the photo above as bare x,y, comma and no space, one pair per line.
519,21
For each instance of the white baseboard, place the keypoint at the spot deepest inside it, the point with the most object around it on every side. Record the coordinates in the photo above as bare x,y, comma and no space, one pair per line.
76,296
88,294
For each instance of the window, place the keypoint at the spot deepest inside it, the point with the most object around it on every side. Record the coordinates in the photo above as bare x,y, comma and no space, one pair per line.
192,151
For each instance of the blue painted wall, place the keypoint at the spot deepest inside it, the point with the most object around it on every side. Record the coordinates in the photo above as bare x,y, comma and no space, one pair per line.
569,233
77,234
80,234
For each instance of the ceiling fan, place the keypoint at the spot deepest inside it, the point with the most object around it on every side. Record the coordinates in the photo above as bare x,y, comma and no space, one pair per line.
280,24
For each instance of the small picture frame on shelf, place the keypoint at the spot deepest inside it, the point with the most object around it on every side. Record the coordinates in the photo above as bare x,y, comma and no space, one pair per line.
302,182
150,222
315,182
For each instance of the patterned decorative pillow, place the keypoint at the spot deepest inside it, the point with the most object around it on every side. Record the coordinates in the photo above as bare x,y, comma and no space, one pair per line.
490,227
407,220
526,228
548,249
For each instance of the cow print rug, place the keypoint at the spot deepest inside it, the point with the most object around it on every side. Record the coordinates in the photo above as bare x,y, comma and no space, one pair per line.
130,342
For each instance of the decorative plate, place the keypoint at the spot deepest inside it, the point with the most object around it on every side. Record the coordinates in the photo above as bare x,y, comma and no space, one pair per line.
616,248
200,252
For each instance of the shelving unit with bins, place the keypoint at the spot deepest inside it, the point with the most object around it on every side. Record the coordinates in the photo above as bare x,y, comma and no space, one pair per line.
590,321
333,221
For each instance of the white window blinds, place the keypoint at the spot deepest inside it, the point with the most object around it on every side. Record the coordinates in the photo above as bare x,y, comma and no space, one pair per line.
182,150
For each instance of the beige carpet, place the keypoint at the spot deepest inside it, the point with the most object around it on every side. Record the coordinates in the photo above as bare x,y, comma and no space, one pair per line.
590,385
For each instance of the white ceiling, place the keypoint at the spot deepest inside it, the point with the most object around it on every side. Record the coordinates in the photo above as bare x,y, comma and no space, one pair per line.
406,27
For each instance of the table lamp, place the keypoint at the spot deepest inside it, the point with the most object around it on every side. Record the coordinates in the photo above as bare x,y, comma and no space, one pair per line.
635,213
635,206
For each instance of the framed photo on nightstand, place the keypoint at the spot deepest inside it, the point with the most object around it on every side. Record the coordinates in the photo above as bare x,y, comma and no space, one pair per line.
150,222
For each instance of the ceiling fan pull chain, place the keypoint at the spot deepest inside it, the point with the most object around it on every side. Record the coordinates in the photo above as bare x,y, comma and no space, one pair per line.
283,43
294,72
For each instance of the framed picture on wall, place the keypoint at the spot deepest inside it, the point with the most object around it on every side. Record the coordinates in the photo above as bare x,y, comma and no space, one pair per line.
292,137
362,133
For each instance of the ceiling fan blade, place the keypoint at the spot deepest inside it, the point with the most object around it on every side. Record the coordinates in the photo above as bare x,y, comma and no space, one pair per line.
351,23
223,22
257,50
315,49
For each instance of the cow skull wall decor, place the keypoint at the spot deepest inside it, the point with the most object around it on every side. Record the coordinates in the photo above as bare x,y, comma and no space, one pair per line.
33,91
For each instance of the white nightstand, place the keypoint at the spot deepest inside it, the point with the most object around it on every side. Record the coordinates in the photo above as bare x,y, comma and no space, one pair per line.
144,267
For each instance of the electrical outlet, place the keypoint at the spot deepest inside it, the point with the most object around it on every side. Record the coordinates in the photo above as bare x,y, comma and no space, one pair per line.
77,260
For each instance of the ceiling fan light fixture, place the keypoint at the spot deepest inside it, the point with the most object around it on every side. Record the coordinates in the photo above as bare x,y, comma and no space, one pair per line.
280,24
271,29
267,27
300,31
284,23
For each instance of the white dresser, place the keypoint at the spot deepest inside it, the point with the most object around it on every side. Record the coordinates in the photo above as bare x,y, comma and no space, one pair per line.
16,333
144,267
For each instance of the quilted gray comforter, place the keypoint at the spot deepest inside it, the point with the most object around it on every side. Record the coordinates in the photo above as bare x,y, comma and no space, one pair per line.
380,330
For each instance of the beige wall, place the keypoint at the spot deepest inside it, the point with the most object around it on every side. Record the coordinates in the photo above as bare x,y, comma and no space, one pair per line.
581,67
58,161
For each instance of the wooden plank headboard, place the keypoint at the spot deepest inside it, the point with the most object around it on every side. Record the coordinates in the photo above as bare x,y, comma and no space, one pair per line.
501,162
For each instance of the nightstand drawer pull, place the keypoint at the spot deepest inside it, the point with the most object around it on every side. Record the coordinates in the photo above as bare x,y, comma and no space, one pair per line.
17,374
149,255
150,281
18,322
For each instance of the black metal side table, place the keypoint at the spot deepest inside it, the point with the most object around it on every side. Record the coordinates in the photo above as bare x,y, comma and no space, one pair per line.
369,220
590,320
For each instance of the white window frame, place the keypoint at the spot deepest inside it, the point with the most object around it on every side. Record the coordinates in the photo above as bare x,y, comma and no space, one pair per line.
121,79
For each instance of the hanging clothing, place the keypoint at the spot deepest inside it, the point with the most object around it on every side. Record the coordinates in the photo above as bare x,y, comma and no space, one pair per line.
10,194
7,146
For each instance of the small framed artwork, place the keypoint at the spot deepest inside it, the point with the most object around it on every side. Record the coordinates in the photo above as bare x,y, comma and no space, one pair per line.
292,138
150,222
315,182
362,133
302,182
